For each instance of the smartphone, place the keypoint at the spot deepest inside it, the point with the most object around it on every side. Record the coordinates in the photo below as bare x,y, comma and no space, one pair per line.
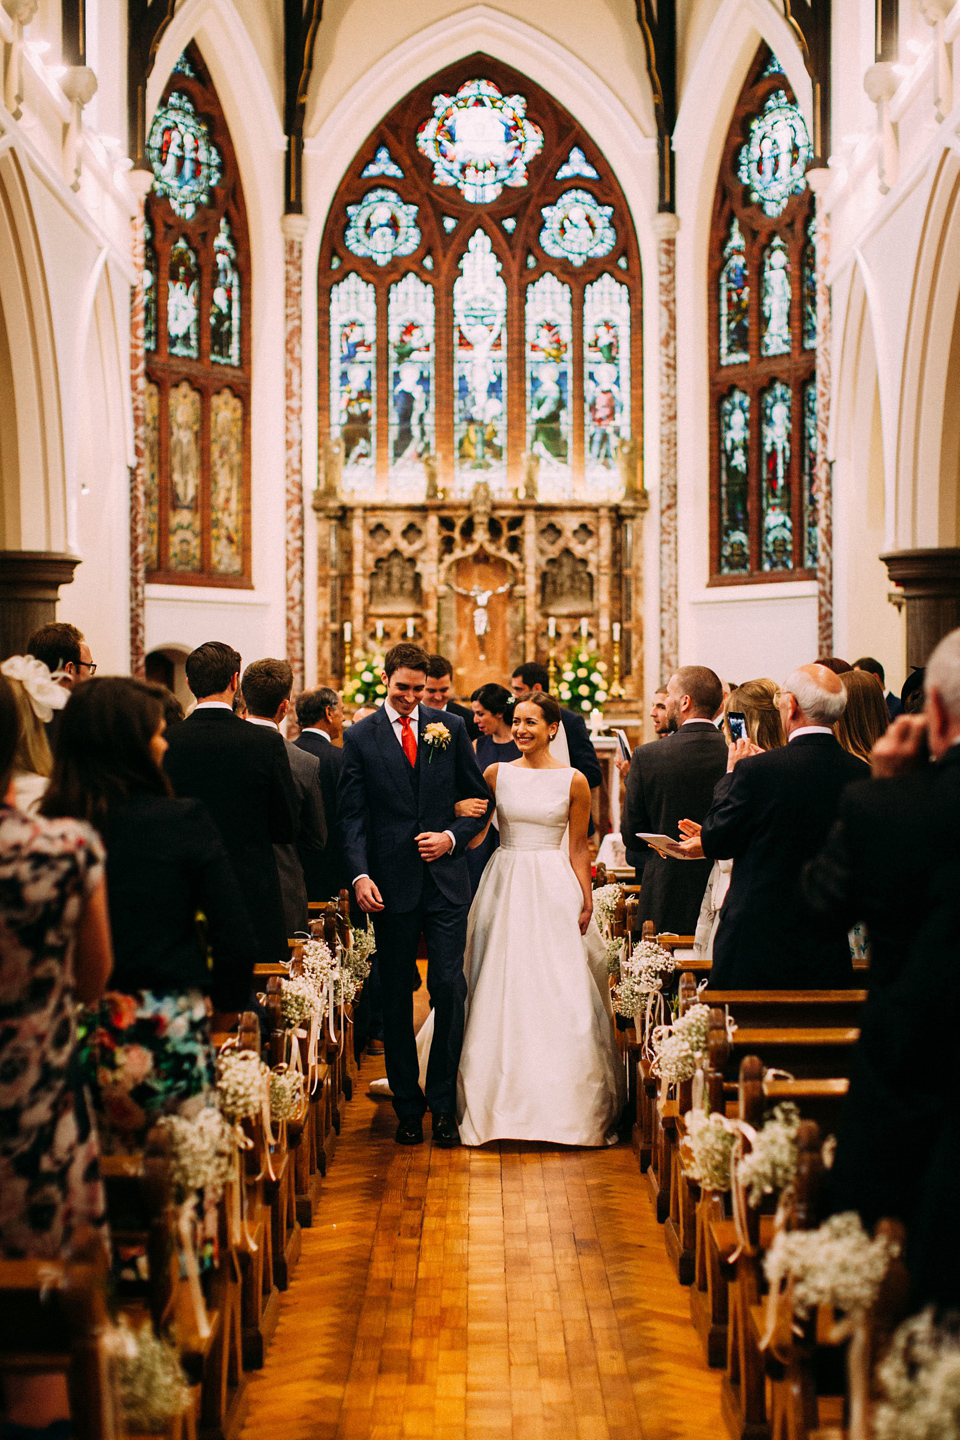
737,723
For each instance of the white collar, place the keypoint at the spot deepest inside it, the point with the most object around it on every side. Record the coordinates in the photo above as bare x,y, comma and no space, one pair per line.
809,730
212,705
262,720
315,730
696,720
394,715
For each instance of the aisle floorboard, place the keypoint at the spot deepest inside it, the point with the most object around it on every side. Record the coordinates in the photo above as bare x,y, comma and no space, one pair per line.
516,1291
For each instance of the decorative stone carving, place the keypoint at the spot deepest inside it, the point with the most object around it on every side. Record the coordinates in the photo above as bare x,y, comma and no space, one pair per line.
566,587
395,585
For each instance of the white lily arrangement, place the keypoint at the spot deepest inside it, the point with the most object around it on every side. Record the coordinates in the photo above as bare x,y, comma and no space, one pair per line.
152,1387
920,1382
838,1264
709,1140
772,1162
201,1154
241,1076
437,736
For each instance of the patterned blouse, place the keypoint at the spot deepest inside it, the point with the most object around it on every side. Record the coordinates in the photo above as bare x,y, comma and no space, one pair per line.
49,1158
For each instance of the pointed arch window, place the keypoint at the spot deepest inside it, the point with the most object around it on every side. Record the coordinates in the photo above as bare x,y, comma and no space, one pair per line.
763,335
197,341
479,299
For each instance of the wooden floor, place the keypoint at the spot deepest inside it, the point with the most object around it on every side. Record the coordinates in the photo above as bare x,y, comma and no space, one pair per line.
512,1291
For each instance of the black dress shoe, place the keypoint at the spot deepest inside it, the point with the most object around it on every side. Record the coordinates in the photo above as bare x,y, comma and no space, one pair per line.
445,1132
409,1132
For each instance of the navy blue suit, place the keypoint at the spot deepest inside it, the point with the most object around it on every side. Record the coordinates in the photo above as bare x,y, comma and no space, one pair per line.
383,803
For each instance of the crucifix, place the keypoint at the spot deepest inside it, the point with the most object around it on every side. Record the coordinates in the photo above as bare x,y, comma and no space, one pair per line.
481,616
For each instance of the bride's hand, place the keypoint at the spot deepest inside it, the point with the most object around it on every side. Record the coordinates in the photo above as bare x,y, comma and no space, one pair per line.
471,808
585,915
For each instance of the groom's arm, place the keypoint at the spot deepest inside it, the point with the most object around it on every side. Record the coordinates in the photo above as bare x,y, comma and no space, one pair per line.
352,810
469,784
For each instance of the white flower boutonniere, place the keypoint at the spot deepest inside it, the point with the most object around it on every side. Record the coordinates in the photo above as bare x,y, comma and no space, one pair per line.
436,736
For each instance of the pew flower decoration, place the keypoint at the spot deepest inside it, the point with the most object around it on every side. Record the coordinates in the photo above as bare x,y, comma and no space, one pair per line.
695,1025
201,1154
286,1094
363,684
583,681
641,979
613,950
363,942
354,969
153,1389
674,1058
241,1076
298,1001
919,1380
772,1162
437,736
709,1142
837,1265
605,901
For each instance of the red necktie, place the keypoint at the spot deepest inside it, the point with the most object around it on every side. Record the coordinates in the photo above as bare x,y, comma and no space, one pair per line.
408,740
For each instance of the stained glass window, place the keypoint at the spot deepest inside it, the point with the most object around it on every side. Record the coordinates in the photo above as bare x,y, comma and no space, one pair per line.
382,227
480,358
811,543
777,522
549,342
734,300
196,331
763,324
734,469
353,369
459,346
479,140
576,228
775,297
410,322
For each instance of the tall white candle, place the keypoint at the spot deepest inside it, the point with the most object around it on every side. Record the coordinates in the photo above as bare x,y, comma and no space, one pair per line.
616,632
347,631
379,629
583,627
410,627
552,626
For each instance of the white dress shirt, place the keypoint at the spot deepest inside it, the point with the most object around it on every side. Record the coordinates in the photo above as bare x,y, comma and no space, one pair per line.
262,720
211,705
315,730
809,730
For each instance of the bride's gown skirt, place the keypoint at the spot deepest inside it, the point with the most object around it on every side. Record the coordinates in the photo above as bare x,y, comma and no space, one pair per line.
540,1059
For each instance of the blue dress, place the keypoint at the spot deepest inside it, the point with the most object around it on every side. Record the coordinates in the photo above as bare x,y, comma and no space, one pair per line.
489,752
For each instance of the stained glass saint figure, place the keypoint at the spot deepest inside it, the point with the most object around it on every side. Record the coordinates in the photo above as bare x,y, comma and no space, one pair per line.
480,357
734,301
225,300
353,337
734,464
776,294
811,544
182,302
777,522
549,342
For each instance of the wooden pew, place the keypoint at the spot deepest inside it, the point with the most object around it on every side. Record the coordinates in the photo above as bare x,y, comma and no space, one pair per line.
280,1193
260,1297
807,1052
761,1009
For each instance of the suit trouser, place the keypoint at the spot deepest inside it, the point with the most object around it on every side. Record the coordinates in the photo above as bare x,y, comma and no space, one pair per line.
444,927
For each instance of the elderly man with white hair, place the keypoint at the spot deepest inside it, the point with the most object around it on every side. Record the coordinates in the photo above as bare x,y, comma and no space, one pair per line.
894,833
771,813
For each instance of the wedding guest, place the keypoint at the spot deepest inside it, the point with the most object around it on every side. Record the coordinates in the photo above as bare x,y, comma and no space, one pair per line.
242,774
266,689
912,693
658,714
149,1048
580,752
54,953
865,717
834,663
321,718
890,837
771,813
363,713
64,651
493,708
672,780
172,709
38,698
439,689
873,667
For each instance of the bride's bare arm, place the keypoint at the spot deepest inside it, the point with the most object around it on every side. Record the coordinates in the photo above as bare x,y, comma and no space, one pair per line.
490,775
579,855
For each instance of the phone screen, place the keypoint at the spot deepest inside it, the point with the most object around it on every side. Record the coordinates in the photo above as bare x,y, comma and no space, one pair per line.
737,722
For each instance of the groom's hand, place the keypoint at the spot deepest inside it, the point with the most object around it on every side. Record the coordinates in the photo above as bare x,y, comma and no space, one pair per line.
368,896
433,843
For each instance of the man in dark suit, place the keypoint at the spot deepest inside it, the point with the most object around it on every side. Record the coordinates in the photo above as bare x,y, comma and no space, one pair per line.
770,815
670,780
266,687
242,774
320,717
892,832
405,851
583,757
439,689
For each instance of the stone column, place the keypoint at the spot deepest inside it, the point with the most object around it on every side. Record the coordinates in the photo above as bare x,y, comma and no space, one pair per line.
29,584
818,180
140,183
665,228
930,580
294,229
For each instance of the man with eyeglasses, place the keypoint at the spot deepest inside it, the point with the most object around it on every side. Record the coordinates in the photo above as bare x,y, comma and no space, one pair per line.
64,651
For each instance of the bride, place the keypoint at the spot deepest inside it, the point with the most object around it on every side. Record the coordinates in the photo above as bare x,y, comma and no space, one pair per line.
540,1059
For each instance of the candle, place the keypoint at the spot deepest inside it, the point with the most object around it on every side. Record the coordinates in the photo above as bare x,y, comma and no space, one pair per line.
379,629
583,627
347,632
410,628
616,632
552,626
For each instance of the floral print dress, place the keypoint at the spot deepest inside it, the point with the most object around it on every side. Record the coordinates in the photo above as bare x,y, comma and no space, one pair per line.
49,1157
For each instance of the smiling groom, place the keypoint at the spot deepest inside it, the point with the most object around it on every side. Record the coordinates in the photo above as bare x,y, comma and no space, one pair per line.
404,769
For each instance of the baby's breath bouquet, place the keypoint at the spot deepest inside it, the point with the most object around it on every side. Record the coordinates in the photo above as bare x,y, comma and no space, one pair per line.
709,1140
362,685
920,1382
583,681
298,1001
674,1059
201,1153
641,978
286,1094
772,1161
838,1265
605,901
363,942
695,1026
241,1076
153,1388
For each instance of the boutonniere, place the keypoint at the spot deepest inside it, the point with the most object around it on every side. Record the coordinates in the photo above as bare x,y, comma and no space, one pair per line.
436,736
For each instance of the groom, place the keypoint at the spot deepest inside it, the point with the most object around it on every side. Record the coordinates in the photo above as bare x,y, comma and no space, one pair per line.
404,768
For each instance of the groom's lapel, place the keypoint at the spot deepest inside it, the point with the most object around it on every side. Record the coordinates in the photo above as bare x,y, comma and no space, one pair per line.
397,764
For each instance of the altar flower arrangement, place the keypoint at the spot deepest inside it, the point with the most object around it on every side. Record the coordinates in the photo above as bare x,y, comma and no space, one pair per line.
437,736
838,1265
709,1139
201,1154
241,1076
583,681
153,1389
772,1161
363,685
920,1382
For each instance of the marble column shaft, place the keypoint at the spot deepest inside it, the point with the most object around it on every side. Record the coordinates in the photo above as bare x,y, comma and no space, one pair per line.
140,181
294,228
665,228
822,471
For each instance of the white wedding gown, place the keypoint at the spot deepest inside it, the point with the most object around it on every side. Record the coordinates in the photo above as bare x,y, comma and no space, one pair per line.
540,1059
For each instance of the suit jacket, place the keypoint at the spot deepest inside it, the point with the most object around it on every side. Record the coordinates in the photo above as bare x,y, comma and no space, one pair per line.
876,866
296,859
383,803
165,863
770,816
668,781
453,707
583,757
326,875
242,774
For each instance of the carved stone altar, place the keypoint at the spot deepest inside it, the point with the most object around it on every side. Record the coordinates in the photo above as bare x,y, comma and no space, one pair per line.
384,562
